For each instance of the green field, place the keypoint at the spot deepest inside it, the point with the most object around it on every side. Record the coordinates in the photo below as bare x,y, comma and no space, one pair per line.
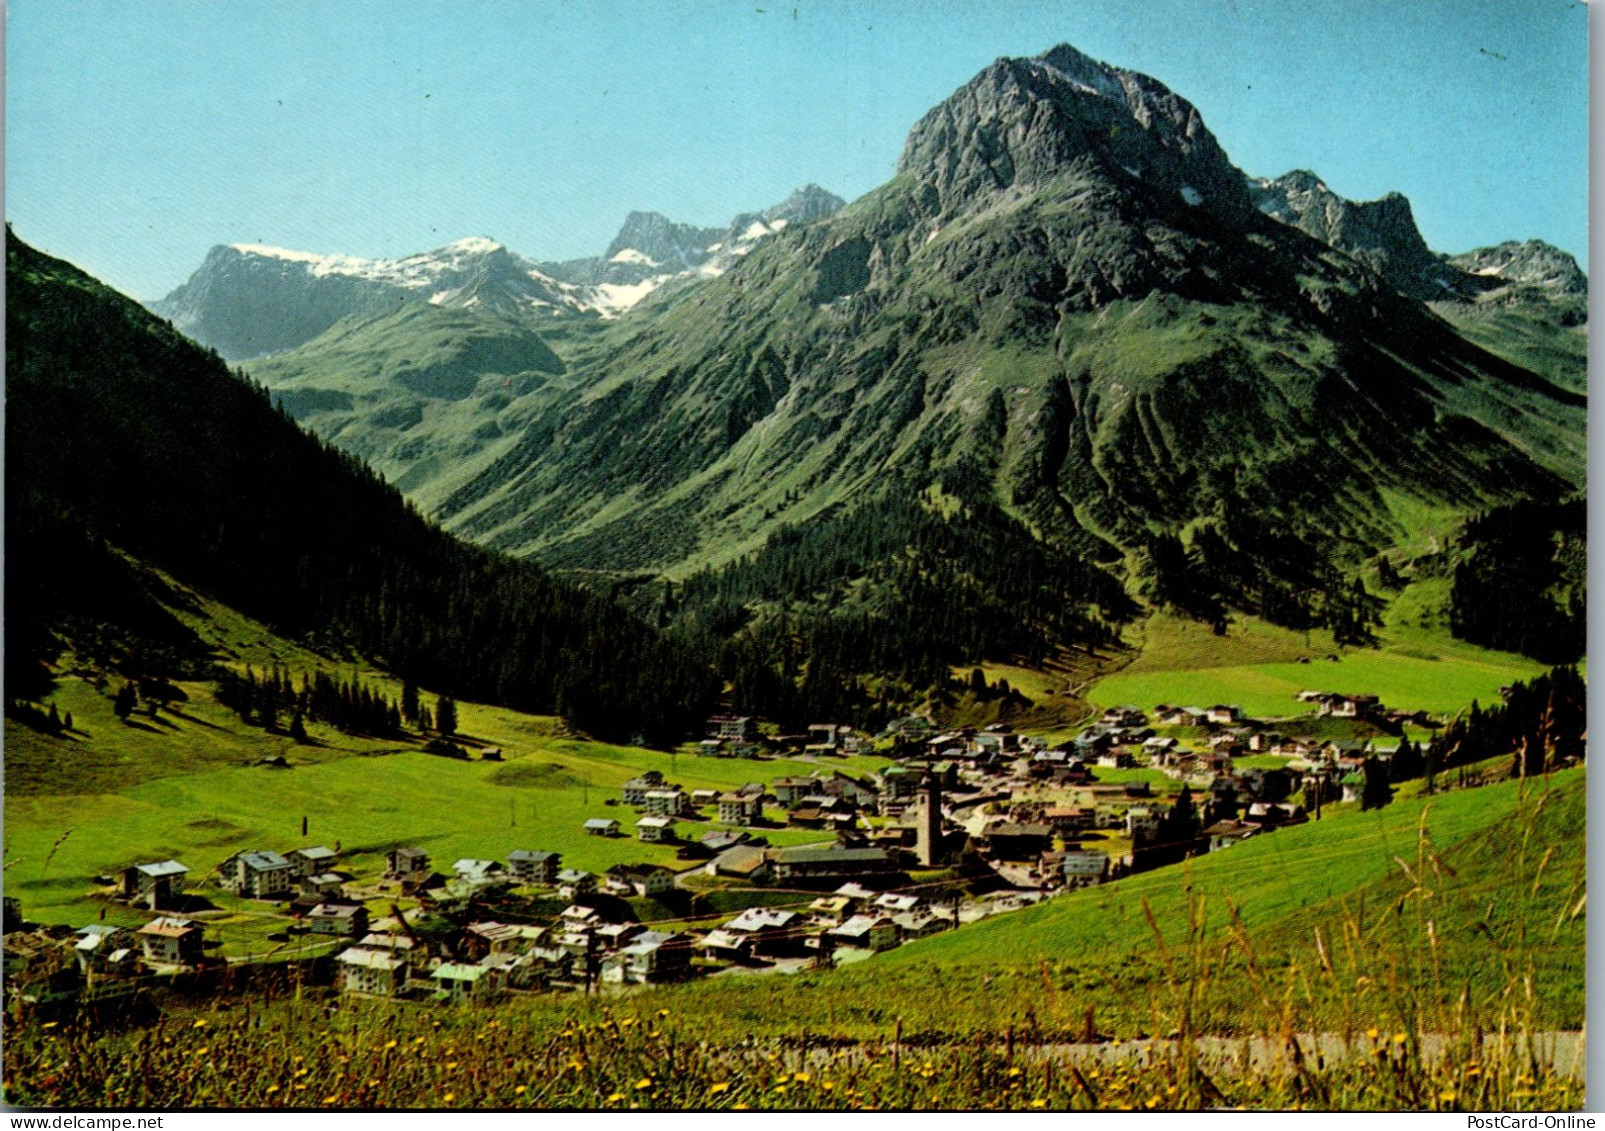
189,785
1256,665
1500,869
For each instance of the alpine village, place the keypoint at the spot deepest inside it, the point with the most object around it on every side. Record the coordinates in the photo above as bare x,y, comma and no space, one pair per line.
1080,626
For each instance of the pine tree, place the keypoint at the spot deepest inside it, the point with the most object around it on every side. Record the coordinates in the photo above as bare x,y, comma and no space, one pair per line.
66,723
298,730
1376,792
127,699
409,702
446,715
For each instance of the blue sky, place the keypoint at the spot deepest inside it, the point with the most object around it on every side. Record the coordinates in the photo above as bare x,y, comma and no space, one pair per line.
141,133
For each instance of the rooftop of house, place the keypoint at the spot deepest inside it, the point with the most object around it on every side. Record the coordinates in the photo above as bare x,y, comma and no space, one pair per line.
523,854
458,972
262,861
166,926
164,868
369,958
761,918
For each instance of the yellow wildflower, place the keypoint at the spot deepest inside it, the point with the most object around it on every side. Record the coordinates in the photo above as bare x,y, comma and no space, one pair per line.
521,1089
1016,1072
1372,1032
330,1099
200,1023
721,1086
1447,1096
449,1096
643,1083
802,1077
1039,1103
615,1097
1400,1038
390,1044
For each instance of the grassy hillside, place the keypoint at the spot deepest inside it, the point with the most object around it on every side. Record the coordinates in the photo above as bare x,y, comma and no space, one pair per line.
1440,942
1510,858
1418,666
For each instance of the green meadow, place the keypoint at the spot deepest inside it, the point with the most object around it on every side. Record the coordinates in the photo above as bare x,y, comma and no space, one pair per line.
192,784
1256,665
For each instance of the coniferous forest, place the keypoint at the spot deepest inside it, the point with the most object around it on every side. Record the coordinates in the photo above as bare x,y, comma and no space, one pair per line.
129,444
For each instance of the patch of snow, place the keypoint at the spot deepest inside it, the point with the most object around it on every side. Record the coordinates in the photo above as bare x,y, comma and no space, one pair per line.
1445,283
1134,172
474,245
756,230
474,301
1191,195
778,225
439,297
714,247
630,255
1491,270
612,299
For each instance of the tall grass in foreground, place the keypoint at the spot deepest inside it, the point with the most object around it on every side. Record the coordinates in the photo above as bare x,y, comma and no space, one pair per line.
1372,1010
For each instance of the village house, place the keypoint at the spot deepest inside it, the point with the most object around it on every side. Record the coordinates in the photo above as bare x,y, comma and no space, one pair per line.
1010,840
726,945
651,957
517,971
306,862
830,910
531,867
404,947
480,939
171,941
1224,834
1223,714
1067,820
866,932
655,830
913,925
806,865
1180,716
257,875
827,736
1349,706
665,802
1142,823
156,885
642,879
897,903
855,791
702,797
898,783
479,871
743,862
613,936
104,949
572,882
735,728
324,886
1081,868
343,920
1264,741
771,930
601,826
364,970
740,808
1123,717
458,982
909,726
1269,815
636,789
406,863
1353,785
1116,759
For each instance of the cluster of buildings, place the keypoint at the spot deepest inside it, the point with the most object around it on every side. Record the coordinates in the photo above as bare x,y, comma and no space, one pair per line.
977,809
